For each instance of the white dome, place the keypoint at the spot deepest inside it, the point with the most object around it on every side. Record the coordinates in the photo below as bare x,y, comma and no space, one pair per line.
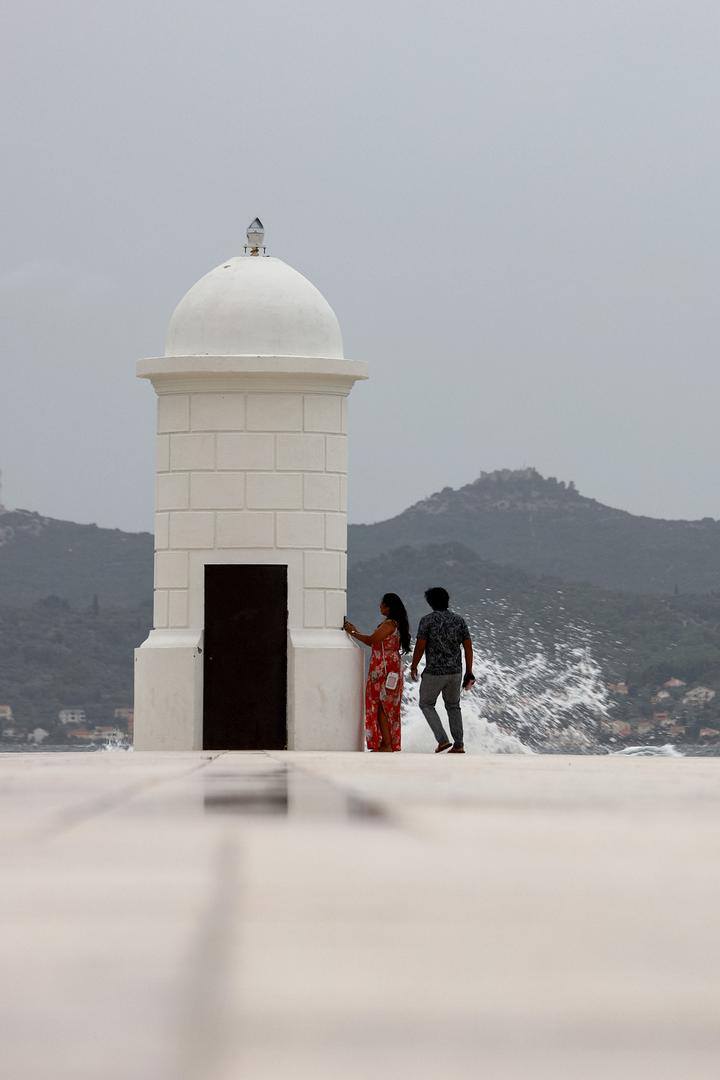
254,306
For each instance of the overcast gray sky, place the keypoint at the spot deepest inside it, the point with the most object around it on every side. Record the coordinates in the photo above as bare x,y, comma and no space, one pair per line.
512,206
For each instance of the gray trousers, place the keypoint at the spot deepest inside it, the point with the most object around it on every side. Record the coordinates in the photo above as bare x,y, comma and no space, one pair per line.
431,686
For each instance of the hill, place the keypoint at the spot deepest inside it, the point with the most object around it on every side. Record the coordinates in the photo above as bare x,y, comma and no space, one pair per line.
546,527
40,557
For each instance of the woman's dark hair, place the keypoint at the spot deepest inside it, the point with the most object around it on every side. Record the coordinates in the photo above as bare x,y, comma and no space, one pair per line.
398,613
438,599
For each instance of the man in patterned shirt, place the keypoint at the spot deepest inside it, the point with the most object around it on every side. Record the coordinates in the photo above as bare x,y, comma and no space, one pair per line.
439,638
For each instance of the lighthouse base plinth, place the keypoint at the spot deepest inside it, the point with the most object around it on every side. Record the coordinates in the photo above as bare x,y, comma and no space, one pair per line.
325,691
169,691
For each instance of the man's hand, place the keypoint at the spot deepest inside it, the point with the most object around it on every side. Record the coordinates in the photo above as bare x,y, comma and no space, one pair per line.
468,681
417,656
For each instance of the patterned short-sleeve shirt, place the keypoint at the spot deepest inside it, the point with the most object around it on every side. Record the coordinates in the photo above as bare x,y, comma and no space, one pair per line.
444,632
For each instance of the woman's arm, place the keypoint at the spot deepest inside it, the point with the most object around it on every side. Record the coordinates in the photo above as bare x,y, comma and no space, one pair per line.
384,630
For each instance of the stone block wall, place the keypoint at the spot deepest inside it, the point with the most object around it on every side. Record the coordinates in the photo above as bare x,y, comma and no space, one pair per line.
252,477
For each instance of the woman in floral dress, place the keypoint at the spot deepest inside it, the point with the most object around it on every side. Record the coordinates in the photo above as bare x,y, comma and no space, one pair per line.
383,691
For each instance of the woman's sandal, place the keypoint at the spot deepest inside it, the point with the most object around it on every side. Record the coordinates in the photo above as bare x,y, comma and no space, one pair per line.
442,746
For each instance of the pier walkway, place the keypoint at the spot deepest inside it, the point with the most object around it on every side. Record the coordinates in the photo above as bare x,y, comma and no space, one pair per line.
359,917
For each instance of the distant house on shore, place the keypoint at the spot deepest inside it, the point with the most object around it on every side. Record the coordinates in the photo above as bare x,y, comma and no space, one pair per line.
674,684
13,734
82,735
6,714
39,735
699,695
709,733
72,716
618,688
125,716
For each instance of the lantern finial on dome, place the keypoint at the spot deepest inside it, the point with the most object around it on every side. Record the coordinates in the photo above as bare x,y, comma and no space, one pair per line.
255,236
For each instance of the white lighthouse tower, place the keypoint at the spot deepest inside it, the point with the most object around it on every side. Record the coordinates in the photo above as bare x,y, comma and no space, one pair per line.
247,650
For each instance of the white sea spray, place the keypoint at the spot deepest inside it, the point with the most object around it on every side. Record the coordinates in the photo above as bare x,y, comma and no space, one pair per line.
666,750
539,697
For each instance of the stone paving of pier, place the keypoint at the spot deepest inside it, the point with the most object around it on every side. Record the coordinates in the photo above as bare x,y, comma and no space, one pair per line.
209,917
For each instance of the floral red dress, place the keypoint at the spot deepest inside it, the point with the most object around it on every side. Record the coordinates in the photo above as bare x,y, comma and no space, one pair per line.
384,659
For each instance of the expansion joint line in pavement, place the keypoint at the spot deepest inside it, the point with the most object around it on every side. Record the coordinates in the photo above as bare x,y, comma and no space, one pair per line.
102,804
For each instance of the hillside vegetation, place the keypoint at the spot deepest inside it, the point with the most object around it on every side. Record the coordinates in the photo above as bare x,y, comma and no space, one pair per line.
41,557
54,656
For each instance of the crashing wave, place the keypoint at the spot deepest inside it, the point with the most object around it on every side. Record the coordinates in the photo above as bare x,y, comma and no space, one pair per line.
540,699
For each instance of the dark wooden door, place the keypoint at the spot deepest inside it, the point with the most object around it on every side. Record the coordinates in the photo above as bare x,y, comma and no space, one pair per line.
245,690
